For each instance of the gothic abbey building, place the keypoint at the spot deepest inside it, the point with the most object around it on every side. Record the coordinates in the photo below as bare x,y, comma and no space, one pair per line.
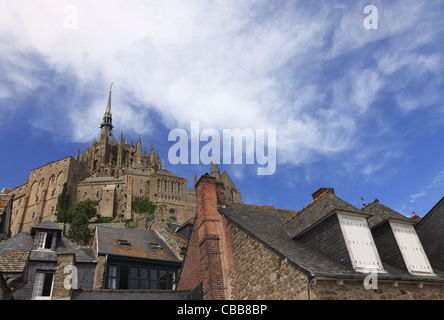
109,171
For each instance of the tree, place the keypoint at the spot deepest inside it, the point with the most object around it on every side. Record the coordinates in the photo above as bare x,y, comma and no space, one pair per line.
79,215
143,205
62,204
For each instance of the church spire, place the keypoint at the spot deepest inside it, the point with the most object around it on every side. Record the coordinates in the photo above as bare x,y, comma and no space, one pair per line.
107,117
214,169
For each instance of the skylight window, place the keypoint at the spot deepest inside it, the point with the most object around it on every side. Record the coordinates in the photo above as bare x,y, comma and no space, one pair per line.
124,242
359,241
411,248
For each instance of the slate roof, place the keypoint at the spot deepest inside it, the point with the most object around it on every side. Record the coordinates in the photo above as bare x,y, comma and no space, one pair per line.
315,212
23,242
144,244
266,225
108,294
427,228
47,225
381,213
172,229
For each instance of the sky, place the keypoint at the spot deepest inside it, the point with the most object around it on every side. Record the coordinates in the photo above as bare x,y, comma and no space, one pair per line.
355,96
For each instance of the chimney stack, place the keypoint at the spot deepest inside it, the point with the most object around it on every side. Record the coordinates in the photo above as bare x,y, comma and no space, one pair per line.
321,192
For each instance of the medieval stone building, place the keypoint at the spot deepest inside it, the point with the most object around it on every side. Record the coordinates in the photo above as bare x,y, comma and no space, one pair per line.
109,171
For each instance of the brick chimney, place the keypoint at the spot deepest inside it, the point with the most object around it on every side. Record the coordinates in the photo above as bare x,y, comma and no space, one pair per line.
220,193
208,226
321,191
209,258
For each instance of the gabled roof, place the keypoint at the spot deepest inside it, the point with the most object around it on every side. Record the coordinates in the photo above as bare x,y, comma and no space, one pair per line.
23,243
265,224
134,243
315,212
380,214
47,225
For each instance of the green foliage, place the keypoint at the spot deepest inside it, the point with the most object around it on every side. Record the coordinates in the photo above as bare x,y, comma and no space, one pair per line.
86,207
130,223
79,230
144,205
62,204
101,219
79,215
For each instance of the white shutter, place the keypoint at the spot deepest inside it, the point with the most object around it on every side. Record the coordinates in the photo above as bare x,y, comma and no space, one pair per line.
360,244
411,248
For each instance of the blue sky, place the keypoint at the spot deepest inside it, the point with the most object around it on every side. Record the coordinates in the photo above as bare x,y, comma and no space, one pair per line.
355,109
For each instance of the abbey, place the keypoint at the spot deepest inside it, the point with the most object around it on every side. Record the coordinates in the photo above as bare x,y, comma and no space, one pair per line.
110,171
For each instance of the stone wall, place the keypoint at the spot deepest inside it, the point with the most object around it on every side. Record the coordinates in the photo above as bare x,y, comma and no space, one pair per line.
355,290
261,274
36,200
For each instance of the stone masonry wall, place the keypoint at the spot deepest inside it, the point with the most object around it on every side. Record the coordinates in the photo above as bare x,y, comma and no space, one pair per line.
355,290
261,274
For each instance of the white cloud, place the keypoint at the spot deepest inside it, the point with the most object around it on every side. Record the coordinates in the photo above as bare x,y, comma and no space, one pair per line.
415,196
228,64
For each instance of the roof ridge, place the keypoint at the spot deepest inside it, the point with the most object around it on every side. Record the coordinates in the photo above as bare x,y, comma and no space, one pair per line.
306,206
265,207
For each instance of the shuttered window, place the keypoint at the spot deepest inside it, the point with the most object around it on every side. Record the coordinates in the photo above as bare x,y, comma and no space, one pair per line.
411,248
360,243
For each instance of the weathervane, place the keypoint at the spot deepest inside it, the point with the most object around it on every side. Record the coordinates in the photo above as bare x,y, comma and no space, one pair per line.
363,202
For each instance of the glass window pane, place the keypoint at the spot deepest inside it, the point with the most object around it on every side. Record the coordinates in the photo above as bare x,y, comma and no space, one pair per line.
153,279
134,284
133,273
112,283
47,285
38,284
144,274
163,279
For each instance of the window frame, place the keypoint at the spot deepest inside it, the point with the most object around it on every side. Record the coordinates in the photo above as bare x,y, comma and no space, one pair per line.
154,276
367,237
42,240
39,284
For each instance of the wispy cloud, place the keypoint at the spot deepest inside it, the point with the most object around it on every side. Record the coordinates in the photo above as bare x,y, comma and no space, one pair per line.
309,70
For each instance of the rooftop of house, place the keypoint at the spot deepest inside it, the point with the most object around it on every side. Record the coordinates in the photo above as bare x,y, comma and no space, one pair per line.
134,243
278,229
23,243
381,213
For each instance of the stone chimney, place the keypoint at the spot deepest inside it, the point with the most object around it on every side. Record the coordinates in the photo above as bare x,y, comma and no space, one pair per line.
65,277
322,191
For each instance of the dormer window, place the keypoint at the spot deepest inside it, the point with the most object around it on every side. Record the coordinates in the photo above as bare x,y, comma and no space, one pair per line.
411,248
44,240
360,244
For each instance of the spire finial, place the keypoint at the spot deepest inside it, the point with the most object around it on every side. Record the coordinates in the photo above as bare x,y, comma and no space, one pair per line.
107,117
